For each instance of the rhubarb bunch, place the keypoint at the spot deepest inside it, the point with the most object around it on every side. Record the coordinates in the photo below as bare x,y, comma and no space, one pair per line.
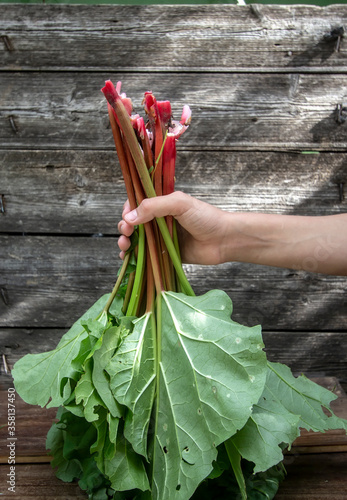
160,392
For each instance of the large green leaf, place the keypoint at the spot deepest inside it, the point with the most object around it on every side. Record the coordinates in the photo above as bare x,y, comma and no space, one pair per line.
86,393
69,441
125,469
66,470
100,378
46,377
268,427
132,372
301,396
286,404
103,448
211,372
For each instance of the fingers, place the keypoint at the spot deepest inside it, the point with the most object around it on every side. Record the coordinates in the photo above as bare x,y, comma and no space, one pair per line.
173,204
126,208
123,226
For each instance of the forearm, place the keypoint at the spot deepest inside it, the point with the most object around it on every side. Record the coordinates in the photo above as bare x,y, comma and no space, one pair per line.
317,244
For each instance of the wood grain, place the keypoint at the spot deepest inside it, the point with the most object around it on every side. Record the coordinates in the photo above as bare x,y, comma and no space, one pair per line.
312,477
82,192
50,280
268,112
316,353
38,481
204,38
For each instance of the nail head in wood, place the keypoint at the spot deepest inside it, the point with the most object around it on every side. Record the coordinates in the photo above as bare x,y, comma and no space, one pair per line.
335,35
341,113
13,124
4,296
2,204
7,43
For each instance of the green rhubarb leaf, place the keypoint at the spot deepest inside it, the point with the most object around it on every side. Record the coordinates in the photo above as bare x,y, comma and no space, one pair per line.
113,423
100,378
79,436
211,372
132,372
103,448
302,397
269,426
72,407
286,404
80,464
260,486
46,377
126,470
66,470
86,393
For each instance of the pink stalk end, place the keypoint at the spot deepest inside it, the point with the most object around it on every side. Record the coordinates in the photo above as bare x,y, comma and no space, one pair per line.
169,161
141,127
186,115
118,87
146,146
110,92
112,95
165,113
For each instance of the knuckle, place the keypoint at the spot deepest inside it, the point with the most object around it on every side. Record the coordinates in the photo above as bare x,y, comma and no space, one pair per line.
145,207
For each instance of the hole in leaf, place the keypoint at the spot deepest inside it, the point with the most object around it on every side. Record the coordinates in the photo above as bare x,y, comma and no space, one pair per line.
178,487
165,450
186,449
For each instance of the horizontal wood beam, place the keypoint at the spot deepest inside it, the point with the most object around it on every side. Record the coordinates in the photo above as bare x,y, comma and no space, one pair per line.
82,192
294,112
49,281
205,38
317,353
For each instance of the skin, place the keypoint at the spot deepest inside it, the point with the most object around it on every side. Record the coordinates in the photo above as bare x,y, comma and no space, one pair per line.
211,236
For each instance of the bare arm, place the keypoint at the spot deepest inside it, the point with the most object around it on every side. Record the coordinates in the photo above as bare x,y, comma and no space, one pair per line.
209,235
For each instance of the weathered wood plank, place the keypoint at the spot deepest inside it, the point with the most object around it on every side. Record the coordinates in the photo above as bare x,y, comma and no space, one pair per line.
169,37
312,477
49,281
316,353
32,424
37,481
83,191
309,476
267,112
51,266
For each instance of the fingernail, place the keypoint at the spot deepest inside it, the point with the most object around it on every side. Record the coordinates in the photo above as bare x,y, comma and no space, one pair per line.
131,216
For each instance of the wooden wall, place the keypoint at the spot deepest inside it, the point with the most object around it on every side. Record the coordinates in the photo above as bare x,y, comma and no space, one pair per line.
268,90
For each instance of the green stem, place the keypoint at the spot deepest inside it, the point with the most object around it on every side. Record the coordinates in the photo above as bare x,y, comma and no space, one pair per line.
235,461
118,283
140,266
152,172
175,238
128,292
186,288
